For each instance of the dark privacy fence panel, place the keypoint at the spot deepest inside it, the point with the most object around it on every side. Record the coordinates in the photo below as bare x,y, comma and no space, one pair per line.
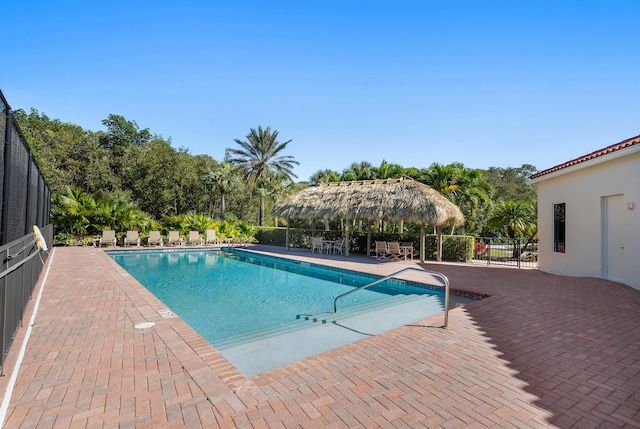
3,126
24,194
25,200
32,195
18,186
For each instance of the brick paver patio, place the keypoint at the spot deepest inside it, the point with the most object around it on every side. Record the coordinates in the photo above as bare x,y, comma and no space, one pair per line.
541,351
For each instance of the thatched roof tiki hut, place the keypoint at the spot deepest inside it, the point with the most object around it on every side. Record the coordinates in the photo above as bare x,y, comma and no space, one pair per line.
372,200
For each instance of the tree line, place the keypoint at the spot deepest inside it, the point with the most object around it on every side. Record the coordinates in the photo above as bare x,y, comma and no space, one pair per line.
129,177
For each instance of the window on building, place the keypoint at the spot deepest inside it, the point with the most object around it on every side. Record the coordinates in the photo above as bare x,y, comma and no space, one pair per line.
559,227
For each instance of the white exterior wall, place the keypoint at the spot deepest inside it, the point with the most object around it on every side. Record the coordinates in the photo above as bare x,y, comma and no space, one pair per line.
582,188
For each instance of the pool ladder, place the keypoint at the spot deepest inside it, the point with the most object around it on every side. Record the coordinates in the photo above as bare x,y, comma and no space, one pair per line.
433,273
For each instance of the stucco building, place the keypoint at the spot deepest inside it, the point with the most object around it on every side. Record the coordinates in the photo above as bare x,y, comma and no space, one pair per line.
589,215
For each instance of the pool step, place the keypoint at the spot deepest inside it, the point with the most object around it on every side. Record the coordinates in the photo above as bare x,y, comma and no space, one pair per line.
305,321
259,334
362,309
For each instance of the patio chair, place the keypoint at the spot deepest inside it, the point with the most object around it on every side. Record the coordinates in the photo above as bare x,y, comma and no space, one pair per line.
194,238
338,246
132,239
155,239
393,250
108,238
381,250
211,237
174,239
316,244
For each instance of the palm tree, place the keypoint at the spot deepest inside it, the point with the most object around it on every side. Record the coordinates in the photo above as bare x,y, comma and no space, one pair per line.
443,178
359,171
224,178
259,155
128,217
103,217
199,222
246,232
465,187
73,212
388,171
176,223
324,176
276,185
473,196
512,217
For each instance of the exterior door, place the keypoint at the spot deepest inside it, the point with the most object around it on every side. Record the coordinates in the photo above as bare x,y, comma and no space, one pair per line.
613,237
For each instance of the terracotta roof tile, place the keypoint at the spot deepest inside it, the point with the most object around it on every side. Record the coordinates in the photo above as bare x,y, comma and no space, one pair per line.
609,149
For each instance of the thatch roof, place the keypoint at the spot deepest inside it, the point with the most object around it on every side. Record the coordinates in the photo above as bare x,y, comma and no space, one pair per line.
389,199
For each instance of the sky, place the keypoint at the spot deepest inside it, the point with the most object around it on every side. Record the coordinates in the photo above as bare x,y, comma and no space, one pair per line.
486,83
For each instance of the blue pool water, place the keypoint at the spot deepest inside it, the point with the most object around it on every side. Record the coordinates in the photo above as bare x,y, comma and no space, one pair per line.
225,296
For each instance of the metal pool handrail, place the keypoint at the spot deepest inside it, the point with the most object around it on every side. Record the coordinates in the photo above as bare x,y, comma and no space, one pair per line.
434,273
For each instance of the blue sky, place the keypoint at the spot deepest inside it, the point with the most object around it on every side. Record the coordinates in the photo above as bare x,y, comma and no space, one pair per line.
485,83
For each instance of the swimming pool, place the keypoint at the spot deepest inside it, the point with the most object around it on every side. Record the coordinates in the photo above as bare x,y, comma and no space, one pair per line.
230,297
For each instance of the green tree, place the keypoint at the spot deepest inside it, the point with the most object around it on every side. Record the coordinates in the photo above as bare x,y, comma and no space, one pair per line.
258,155
82,214
125,141
467,188
127,217
228,231
157,179
199,222
67,155
276,186
444,178
72,212
511,217
516,219
324,176
474,197
389,171
362,170
188,189
413,172
246,233
225,179
511,184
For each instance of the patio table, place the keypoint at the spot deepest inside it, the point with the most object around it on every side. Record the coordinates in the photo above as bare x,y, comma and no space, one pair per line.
406,251
328,245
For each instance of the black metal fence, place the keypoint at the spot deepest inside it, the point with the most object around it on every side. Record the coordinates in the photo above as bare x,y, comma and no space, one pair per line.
505,251
25,199
455,248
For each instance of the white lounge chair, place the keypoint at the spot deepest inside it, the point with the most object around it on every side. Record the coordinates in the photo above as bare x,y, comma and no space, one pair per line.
174,239
211,237
194,238
132,239
108,238
155,239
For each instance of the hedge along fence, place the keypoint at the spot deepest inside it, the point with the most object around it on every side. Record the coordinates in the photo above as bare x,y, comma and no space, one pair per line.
455,248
